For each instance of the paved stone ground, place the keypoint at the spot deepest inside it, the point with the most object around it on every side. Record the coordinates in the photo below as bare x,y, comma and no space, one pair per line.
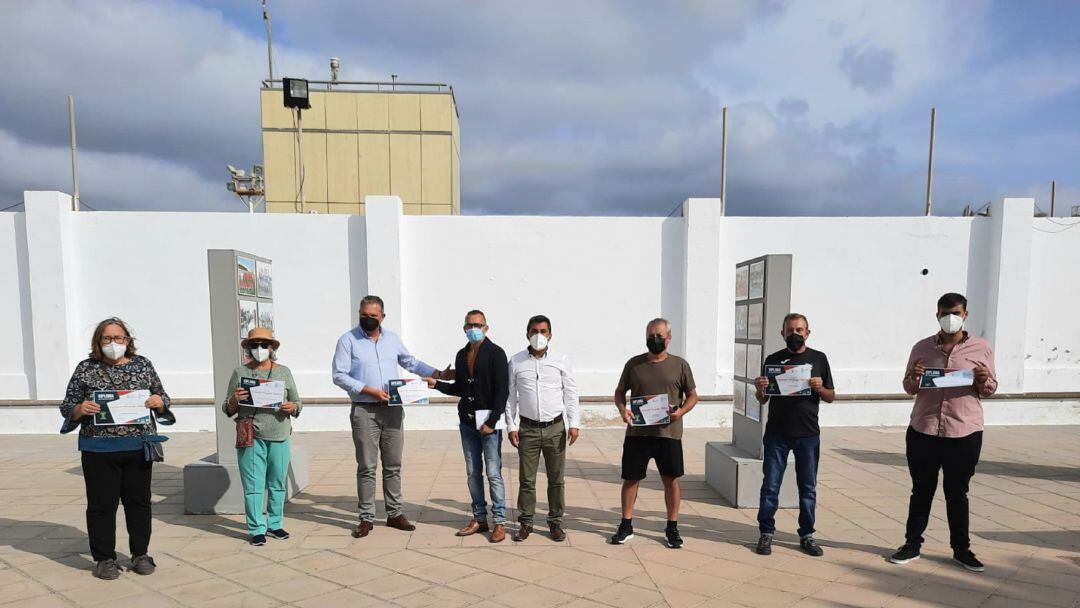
1025,522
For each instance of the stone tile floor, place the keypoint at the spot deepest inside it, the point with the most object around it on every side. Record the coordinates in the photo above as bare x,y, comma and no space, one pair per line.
1025,504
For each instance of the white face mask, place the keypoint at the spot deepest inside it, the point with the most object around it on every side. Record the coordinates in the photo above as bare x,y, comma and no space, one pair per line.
114,351
260,354
538,341
951,324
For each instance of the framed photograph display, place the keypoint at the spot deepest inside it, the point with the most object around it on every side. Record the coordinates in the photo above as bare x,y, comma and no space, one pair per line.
249,314
755,320
266,315
264,277
739,397
742,283
753,408
245,276
757,280
740,321
740,360
753,360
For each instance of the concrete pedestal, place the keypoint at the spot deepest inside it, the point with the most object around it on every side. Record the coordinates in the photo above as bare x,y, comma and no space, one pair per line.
737,475
213,488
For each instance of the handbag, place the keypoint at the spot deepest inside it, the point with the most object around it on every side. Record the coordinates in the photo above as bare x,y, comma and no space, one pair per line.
245,432
153,451
245,426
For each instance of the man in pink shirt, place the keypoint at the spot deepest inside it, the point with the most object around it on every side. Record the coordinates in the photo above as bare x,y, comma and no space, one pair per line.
946,427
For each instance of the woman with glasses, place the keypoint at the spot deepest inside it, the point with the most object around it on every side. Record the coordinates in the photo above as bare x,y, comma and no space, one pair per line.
116,442
263,431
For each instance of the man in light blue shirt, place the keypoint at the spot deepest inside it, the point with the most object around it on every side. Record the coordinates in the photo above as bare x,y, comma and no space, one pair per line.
365,360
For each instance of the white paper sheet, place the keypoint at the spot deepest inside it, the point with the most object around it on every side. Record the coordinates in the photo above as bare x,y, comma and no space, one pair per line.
415,390
127,409
655,410
268,394
482,416
950,378
794,380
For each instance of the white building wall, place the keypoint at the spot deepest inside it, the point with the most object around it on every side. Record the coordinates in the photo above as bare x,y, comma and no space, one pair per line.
150,269
1053,331
859,280
14,306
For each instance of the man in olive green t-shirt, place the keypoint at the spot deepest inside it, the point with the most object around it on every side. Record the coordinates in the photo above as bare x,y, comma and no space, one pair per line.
654,373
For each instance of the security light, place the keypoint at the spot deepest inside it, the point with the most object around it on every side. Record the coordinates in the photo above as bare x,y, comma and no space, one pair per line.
296,93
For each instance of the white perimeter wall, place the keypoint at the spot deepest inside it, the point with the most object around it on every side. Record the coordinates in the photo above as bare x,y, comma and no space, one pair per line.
859,280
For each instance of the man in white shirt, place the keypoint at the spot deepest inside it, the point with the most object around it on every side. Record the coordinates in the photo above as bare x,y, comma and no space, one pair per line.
543,391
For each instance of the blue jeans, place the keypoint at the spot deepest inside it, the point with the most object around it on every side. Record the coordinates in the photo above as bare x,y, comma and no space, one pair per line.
484,452
807,451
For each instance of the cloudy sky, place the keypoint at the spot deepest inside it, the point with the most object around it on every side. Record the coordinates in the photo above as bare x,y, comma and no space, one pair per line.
599,107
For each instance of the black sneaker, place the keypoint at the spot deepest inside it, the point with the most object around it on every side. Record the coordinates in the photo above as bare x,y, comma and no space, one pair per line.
905,554
810,546
673,539
279,534
764,545
622,535
107,570
967,559
258,540
143,564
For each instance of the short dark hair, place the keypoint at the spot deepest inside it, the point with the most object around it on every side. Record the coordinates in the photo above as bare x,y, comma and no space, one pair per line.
95,342
950,300
791,316
369,299
476,312
533,320
657,321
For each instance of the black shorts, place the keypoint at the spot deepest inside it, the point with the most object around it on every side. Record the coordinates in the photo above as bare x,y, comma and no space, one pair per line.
638,451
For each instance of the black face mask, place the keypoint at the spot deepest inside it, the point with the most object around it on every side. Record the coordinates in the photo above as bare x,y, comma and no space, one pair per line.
795,342
369,324
656,345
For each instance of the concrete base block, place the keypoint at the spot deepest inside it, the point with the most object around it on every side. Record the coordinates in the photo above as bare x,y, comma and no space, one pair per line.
212,488
737,476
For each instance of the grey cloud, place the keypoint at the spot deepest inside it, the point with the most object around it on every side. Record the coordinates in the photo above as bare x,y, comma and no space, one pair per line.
868,68
792,108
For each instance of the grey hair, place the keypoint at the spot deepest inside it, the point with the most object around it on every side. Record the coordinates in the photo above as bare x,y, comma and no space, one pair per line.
658,321
369,299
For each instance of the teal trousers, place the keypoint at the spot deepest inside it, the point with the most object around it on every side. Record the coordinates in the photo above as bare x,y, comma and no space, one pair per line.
263,468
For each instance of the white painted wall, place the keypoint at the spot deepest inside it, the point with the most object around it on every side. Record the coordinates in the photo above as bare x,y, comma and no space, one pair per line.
157,282
859,280
14,305
860,283
1053,331
598,279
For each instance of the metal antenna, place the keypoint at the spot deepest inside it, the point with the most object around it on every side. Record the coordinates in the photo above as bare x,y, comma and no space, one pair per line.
930,164
269,39
74,157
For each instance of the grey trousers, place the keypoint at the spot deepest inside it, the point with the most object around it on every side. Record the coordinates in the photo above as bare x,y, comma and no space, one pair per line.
377,429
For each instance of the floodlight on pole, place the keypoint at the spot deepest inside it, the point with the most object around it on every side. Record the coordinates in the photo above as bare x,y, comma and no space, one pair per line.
296,93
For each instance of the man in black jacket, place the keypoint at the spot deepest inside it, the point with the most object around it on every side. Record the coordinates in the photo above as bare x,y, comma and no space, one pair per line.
482,382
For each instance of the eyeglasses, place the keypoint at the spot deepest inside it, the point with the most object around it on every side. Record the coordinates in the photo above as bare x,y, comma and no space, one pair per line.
474,326
261,345
117,339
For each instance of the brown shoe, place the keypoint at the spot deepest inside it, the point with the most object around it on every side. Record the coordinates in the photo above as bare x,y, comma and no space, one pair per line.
523,532
557,533
400,522
498,533
472,528
362,529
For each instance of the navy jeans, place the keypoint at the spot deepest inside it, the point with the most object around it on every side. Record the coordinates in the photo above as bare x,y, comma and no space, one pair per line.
484,453
807,451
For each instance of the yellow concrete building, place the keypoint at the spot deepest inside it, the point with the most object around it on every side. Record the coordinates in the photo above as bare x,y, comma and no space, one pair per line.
361,139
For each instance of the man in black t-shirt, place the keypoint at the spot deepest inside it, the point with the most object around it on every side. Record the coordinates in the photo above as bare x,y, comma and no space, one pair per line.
793,426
